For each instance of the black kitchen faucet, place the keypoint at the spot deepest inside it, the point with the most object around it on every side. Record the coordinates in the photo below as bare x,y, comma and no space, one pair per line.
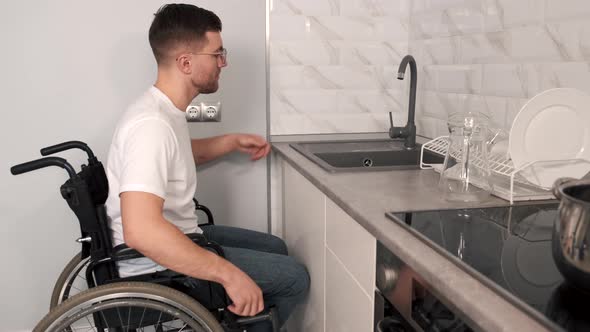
408,132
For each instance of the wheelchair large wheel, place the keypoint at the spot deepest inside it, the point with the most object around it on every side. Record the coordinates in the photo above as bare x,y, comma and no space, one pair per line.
125,306
71,281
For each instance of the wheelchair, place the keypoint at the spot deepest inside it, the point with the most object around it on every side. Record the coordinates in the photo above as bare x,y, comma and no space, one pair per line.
72,279
156,302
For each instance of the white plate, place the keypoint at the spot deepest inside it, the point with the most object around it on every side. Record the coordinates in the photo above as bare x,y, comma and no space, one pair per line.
553,125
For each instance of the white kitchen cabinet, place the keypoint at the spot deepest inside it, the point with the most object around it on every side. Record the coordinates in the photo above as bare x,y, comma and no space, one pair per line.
348,307
304,233
339,255
352,244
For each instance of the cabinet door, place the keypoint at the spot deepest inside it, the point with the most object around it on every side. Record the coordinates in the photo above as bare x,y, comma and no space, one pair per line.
352,244
348,307
304,233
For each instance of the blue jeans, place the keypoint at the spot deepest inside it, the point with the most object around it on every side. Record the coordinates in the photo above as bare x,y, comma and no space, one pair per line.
283,281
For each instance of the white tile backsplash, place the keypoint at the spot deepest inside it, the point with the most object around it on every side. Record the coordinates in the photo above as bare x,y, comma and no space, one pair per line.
385,8
567,74
567,9
333,65
458,78
426,78
286,77
483,48
573,37
502,14
371,101
495,108
464,19
334,62
393,30
354,28
306,123
532,44
429,25
304,52
434,5
513,105
440,51
524,48
304,7
371,53
289,27
306,101
339,77
434,106
517,80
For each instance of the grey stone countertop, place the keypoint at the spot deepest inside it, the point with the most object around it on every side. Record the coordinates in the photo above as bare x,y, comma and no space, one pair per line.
367,196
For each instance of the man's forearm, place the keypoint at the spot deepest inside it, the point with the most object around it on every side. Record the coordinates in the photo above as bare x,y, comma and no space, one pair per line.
207,149
168,246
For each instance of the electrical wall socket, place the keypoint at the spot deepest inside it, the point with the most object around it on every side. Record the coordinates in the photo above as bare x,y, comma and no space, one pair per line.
204,112
193,113
211,112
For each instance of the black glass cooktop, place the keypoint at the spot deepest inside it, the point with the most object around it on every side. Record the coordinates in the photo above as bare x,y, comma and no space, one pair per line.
509,247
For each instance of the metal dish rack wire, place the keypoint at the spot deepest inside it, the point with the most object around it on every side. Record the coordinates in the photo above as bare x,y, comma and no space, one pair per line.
508,181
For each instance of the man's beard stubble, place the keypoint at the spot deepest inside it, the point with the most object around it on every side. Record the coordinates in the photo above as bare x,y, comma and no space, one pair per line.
211,86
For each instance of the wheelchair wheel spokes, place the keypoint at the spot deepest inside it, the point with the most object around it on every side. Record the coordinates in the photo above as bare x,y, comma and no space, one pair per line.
130,306
71,281
126,315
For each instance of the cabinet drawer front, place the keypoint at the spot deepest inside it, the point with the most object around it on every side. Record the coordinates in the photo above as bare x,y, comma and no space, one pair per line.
352,244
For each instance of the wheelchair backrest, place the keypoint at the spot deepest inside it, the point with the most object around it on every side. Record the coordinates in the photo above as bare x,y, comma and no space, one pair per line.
85,192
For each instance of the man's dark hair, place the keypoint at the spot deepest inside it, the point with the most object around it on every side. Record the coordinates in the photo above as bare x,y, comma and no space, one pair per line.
175,24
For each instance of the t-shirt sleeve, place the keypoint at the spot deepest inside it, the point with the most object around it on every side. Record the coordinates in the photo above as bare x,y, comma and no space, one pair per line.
147,153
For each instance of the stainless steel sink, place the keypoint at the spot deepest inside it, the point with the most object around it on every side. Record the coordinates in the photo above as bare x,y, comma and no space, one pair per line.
369,155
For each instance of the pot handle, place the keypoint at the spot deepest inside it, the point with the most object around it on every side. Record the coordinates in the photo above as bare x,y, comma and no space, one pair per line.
558,184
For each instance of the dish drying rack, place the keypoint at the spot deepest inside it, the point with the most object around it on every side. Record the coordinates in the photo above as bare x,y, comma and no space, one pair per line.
508,181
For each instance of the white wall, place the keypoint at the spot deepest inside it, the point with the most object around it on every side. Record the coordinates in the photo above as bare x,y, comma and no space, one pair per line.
234,188
68,69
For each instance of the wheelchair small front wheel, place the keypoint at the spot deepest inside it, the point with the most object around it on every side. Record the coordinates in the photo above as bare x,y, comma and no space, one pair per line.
71,281
125,306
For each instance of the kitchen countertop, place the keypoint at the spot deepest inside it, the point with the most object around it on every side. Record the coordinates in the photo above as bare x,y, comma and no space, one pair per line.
367,196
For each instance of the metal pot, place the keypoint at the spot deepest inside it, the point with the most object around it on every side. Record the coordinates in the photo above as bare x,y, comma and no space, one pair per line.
571,234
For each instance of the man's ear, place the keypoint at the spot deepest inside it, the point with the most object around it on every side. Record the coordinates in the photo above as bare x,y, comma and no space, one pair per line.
183,63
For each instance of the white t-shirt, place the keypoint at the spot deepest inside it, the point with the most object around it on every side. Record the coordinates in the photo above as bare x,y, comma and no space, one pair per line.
151,152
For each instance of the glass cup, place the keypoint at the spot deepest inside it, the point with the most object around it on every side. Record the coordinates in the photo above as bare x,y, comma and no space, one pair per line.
466,173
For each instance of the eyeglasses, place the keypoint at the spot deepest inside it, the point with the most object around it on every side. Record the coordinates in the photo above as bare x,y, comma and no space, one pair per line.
221,55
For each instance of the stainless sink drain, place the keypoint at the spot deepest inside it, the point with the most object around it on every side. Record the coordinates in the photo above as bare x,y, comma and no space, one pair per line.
367,162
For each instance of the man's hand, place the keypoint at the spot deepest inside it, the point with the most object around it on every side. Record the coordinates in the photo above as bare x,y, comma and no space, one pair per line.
146,230
244,293
254,145
207,149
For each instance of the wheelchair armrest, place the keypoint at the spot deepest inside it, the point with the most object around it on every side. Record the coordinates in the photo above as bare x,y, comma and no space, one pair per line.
206,210
123,252
198,239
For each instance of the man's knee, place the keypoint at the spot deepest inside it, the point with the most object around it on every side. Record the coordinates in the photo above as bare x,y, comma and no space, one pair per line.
303,280
298,279
278,245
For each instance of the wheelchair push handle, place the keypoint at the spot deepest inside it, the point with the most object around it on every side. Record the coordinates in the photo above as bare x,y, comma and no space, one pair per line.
41,163
69,145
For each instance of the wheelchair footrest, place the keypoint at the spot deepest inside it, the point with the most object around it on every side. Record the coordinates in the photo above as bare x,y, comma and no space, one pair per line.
233,321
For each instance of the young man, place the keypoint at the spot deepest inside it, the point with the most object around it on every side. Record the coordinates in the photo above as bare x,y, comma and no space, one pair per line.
152,176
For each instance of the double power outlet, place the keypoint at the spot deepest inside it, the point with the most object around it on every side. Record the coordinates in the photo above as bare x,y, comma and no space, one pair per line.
204,112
